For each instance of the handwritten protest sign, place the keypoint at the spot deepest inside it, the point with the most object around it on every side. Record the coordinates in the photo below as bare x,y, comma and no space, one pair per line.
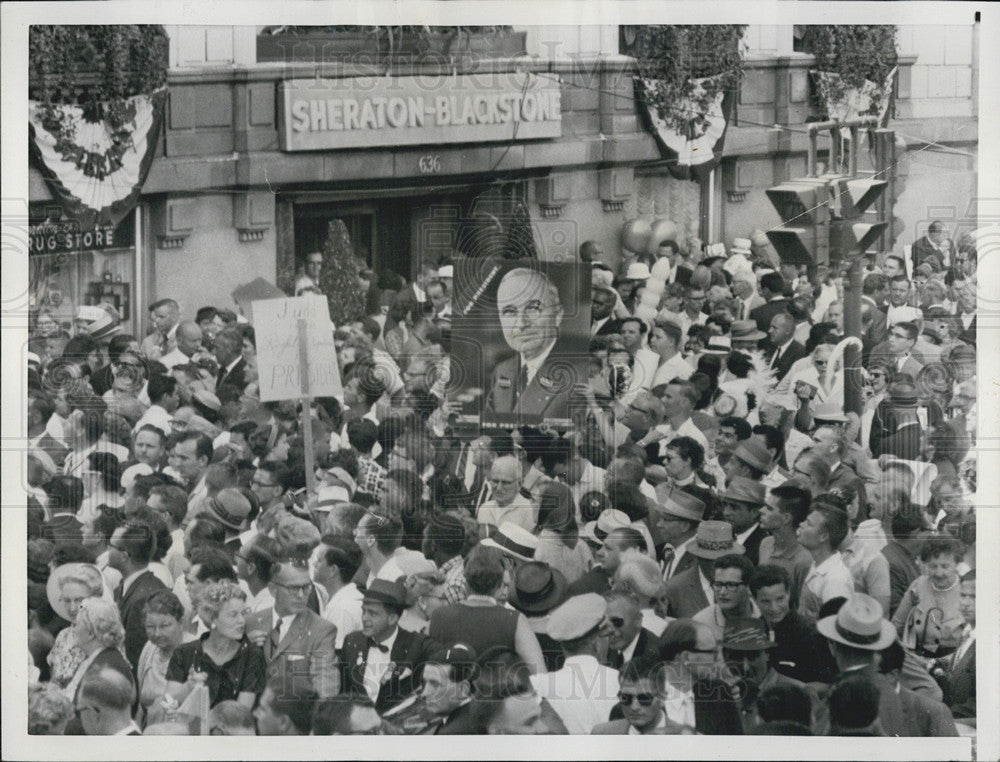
279,353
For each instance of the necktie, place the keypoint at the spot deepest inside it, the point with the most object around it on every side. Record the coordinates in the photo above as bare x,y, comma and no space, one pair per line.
668,561
275,637
777,356
164,343
372,643
616,660
523,381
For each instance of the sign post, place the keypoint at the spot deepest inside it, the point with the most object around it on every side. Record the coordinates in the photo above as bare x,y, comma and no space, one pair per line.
296,358
310,454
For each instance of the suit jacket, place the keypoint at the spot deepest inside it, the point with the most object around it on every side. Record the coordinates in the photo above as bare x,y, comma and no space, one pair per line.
902,572
647,645
409,653
685,596
132,606
904,443
845,479
960,686
794,352
102,379
716,712
968,335
307,649
762,315
611,728
611,325
235,377
593,581
922,248
752,544
875,334
63,529
547,395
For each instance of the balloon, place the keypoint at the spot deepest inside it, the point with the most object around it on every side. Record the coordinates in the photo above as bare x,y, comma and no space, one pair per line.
635,235
661,269
663,230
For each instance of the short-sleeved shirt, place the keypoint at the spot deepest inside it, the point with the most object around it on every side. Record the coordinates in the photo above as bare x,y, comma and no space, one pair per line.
246,671
829,580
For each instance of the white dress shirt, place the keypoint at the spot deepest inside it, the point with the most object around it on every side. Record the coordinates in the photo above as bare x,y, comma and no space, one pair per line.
344,611
582,693
679,705
377,666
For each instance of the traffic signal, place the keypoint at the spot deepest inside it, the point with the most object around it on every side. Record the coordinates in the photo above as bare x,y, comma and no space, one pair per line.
803,205
853,228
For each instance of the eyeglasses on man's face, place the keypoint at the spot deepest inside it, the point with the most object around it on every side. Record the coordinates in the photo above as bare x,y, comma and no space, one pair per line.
645,699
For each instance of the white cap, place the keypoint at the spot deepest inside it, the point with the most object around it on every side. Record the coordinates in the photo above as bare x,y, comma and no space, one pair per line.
637,271
448,271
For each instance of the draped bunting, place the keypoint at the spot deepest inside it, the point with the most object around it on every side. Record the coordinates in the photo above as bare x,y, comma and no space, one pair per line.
95,170
698,150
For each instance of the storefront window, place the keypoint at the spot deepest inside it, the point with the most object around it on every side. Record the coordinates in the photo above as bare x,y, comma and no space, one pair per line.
69,268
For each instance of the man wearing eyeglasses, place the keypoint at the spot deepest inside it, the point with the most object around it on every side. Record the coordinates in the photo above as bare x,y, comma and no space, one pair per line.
730,583
641,701
530,381
298,643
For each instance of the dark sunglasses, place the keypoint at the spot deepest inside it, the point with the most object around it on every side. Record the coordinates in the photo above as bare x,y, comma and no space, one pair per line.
645,699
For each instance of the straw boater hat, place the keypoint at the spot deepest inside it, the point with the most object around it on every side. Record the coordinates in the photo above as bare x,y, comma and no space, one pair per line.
719,345
743,490
609,520
740,246
538,588
859,624
675,502
514,540
714,539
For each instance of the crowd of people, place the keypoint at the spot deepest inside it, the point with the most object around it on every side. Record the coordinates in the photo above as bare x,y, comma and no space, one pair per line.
717,545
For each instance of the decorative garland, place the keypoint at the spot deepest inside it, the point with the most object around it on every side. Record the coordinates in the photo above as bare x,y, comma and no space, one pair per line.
691,65
86,84
861,56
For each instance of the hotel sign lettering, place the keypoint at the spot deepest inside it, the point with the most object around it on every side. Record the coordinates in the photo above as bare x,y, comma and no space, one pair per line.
366,112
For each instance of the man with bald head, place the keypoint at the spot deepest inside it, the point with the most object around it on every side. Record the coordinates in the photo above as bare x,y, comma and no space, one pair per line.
165,315
507,504
781,340
188,343
530,381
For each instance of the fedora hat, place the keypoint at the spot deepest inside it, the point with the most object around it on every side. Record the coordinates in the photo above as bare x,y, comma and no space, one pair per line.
714,539
743,490
745,330
230,508
859,624
609,520
88,573
678,503
514,540
538,588
746,635
387,593
754,454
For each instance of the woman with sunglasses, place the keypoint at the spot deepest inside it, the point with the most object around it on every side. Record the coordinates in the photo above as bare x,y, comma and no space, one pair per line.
222,659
